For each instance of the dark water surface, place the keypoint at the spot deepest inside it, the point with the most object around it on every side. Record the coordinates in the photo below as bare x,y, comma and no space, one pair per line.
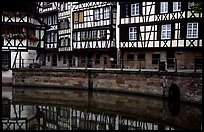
50,109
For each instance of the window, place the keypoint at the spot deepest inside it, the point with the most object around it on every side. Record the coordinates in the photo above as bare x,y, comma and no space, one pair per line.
135,9
166,31
94,34
97,59
76,17
106,12
133,33
103,34
50,20
81,16
54,19
96,14
141,57
83,35
55,37
74,38
190,5
6,58
192,30
176,6
52,37
48,38
164,7
155,58
130,57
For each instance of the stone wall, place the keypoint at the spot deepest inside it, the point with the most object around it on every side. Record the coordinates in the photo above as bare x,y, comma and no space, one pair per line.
147,83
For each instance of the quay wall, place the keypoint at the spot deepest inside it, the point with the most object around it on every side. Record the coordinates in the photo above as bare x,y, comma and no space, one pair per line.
135,82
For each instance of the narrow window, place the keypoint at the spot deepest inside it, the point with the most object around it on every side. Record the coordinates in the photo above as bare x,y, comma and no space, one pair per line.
94,34
76,17
155,58
48,38
135,9
130,57
176,6
81,16
83,35
96,14
102,34
166,31
133,33
192,30
106,12
164,7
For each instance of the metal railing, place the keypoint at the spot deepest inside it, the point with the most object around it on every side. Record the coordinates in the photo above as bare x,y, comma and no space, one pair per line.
169,64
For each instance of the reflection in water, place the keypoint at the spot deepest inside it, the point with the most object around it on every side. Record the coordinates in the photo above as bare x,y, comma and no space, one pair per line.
98,111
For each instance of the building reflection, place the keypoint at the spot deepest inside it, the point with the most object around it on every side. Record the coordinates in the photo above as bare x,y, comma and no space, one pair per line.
33,117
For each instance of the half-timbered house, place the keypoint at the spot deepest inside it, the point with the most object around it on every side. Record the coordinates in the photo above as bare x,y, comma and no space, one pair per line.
94,33
65,55
49,14
151,32
22,35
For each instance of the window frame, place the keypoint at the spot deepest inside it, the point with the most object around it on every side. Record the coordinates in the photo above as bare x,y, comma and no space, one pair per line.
97,14
165,32
106,11
176,6
192,35
136,8
133,33
164,7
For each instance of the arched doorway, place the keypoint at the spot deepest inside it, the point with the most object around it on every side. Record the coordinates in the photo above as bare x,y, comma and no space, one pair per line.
54,60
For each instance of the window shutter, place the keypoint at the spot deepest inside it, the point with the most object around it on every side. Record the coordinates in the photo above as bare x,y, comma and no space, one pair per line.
173,31
158,32
183,30
157,7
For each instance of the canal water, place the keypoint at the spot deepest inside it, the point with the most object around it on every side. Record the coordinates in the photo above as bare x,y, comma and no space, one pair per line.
26,108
